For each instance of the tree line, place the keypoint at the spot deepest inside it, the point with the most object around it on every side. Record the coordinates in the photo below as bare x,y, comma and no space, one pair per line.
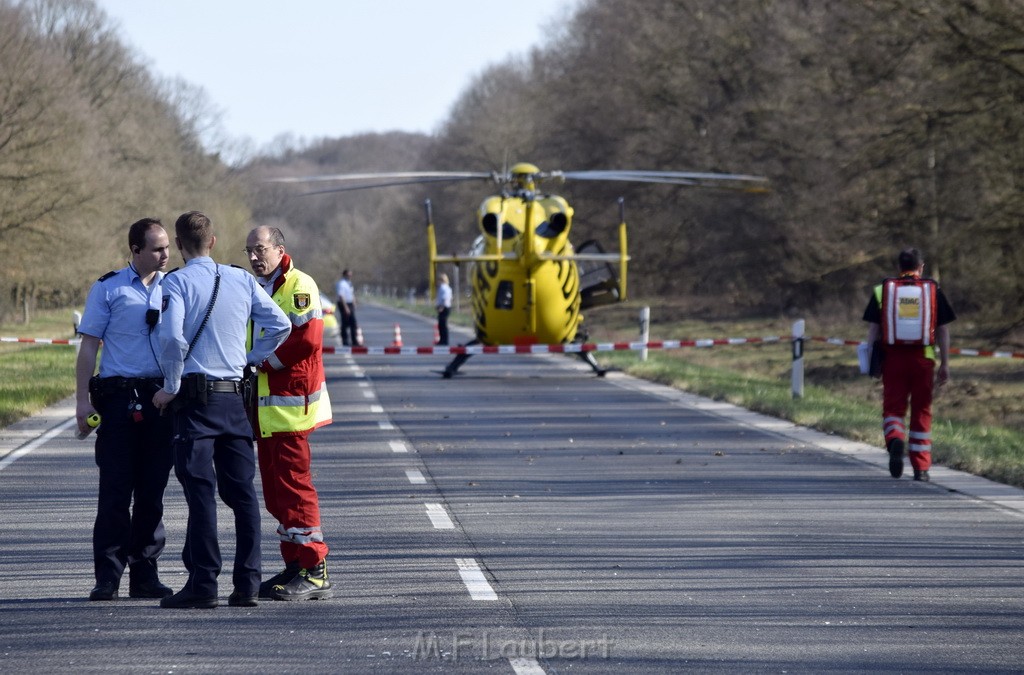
90,141
880,123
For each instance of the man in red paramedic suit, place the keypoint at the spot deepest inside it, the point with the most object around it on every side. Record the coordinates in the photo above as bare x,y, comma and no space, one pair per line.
909,317
292,402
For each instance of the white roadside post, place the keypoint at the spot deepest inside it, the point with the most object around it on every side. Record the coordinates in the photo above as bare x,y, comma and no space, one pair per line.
645,330
798,359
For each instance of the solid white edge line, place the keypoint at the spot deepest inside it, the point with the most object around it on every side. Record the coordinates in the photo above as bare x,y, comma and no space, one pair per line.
439,517
32,445
474,579
415,477
1007,497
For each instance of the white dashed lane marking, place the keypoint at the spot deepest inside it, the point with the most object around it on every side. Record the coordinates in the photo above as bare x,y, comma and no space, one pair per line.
439,517
398,446
474,579
415,477
526,666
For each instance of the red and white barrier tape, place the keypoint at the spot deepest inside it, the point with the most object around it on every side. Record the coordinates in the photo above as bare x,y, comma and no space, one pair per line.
952,350
571,348
43,341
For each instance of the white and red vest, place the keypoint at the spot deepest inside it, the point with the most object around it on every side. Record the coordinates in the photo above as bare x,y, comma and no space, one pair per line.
909,309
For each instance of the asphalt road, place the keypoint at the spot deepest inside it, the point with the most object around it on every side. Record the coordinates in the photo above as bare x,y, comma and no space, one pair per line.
528,517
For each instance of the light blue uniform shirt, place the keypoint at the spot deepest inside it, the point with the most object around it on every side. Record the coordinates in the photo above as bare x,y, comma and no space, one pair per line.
444,296
115,312
220,351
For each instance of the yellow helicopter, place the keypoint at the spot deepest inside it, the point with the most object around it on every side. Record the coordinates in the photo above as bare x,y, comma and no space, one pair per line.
529,284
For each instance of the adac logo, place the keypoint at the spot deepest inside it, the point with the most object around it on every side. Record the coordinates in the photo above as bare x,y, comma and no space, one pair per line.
301,300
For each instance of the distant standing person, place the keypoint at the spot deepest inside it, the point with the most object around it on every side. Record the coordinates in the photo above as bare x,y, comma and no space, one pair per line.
347,309
443,304
909,317
133,443
207,309
291,402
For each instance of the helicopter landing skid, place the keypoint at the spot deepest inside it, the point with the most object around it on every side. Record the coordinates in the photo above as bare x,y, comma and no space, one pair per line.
589,359
456,363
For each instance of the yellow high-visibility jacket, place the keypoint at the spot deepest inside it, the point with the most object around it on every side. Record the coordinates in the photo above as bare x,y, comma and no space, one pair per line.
292,395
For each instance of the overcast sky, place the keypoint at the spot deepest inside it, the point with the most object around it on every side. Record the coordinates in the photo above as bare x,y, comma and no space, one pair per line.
315,68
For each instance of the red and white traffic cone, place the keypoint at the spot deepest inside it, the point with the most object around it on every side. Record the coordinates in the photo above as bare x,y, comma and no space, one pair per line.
437,334
359,337
398,337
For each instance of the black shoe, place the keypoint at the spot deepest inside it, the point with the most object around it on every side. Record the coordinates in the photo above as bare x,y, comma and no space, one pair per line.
107,591
921,475
290,571
149,589
308,584
239,599
895,447
185,599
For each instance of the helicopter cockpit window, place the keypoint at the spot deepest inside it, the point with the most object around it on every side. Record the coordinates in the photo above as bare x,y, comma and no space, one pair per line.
503,298
553,227
490,225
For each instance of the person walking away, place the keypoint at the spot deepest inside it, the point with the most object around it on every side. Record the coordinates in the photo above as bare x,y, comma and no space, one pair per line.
202,337
133,443
291,402
443,304
347,309
909,319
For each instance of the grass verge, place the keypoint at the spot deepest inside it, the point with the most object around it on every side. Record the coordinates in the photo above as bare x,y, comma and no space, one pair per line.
33,377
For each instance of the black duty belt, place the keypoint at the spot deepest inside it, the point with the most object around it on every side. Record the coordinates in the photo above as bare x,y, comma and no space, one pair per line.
224,386
115,383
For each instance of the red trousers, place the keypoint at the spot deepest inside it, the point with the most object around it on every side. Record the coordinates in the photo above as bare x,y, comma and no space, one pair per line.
291,498
908,375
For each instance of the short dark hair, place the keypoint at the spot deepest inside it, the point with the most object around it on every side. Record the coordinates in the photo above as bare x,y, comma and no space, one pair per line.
195,231
910,259
137,232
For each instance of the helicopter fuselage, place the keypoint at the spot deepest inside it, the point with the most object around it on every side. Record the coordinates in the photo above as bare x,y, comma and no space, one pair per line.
525,282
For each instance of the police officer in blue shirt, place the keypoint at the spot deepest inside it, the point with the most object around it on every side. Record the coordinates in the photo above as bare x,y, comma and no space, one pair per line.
202,335
133,445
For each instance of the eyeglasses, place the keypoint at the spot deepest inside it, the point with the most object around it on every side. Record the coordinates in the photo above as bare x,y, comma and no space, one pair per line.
258,250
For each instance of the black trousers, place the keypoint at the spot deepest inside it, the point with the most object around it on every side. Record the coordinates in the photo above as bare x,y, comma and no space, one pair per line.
213,453
442,325
348,324
134,460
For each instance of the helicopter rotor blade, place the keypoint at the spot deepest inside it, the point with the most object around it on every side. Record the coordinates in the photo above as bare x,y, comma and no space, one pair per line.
363,181
728,181
414,181
389,175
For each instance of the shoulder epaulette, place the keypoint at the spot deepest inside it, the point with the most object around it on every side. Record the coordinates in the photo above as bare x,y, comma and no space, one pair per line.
238,267
172,271
107,275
